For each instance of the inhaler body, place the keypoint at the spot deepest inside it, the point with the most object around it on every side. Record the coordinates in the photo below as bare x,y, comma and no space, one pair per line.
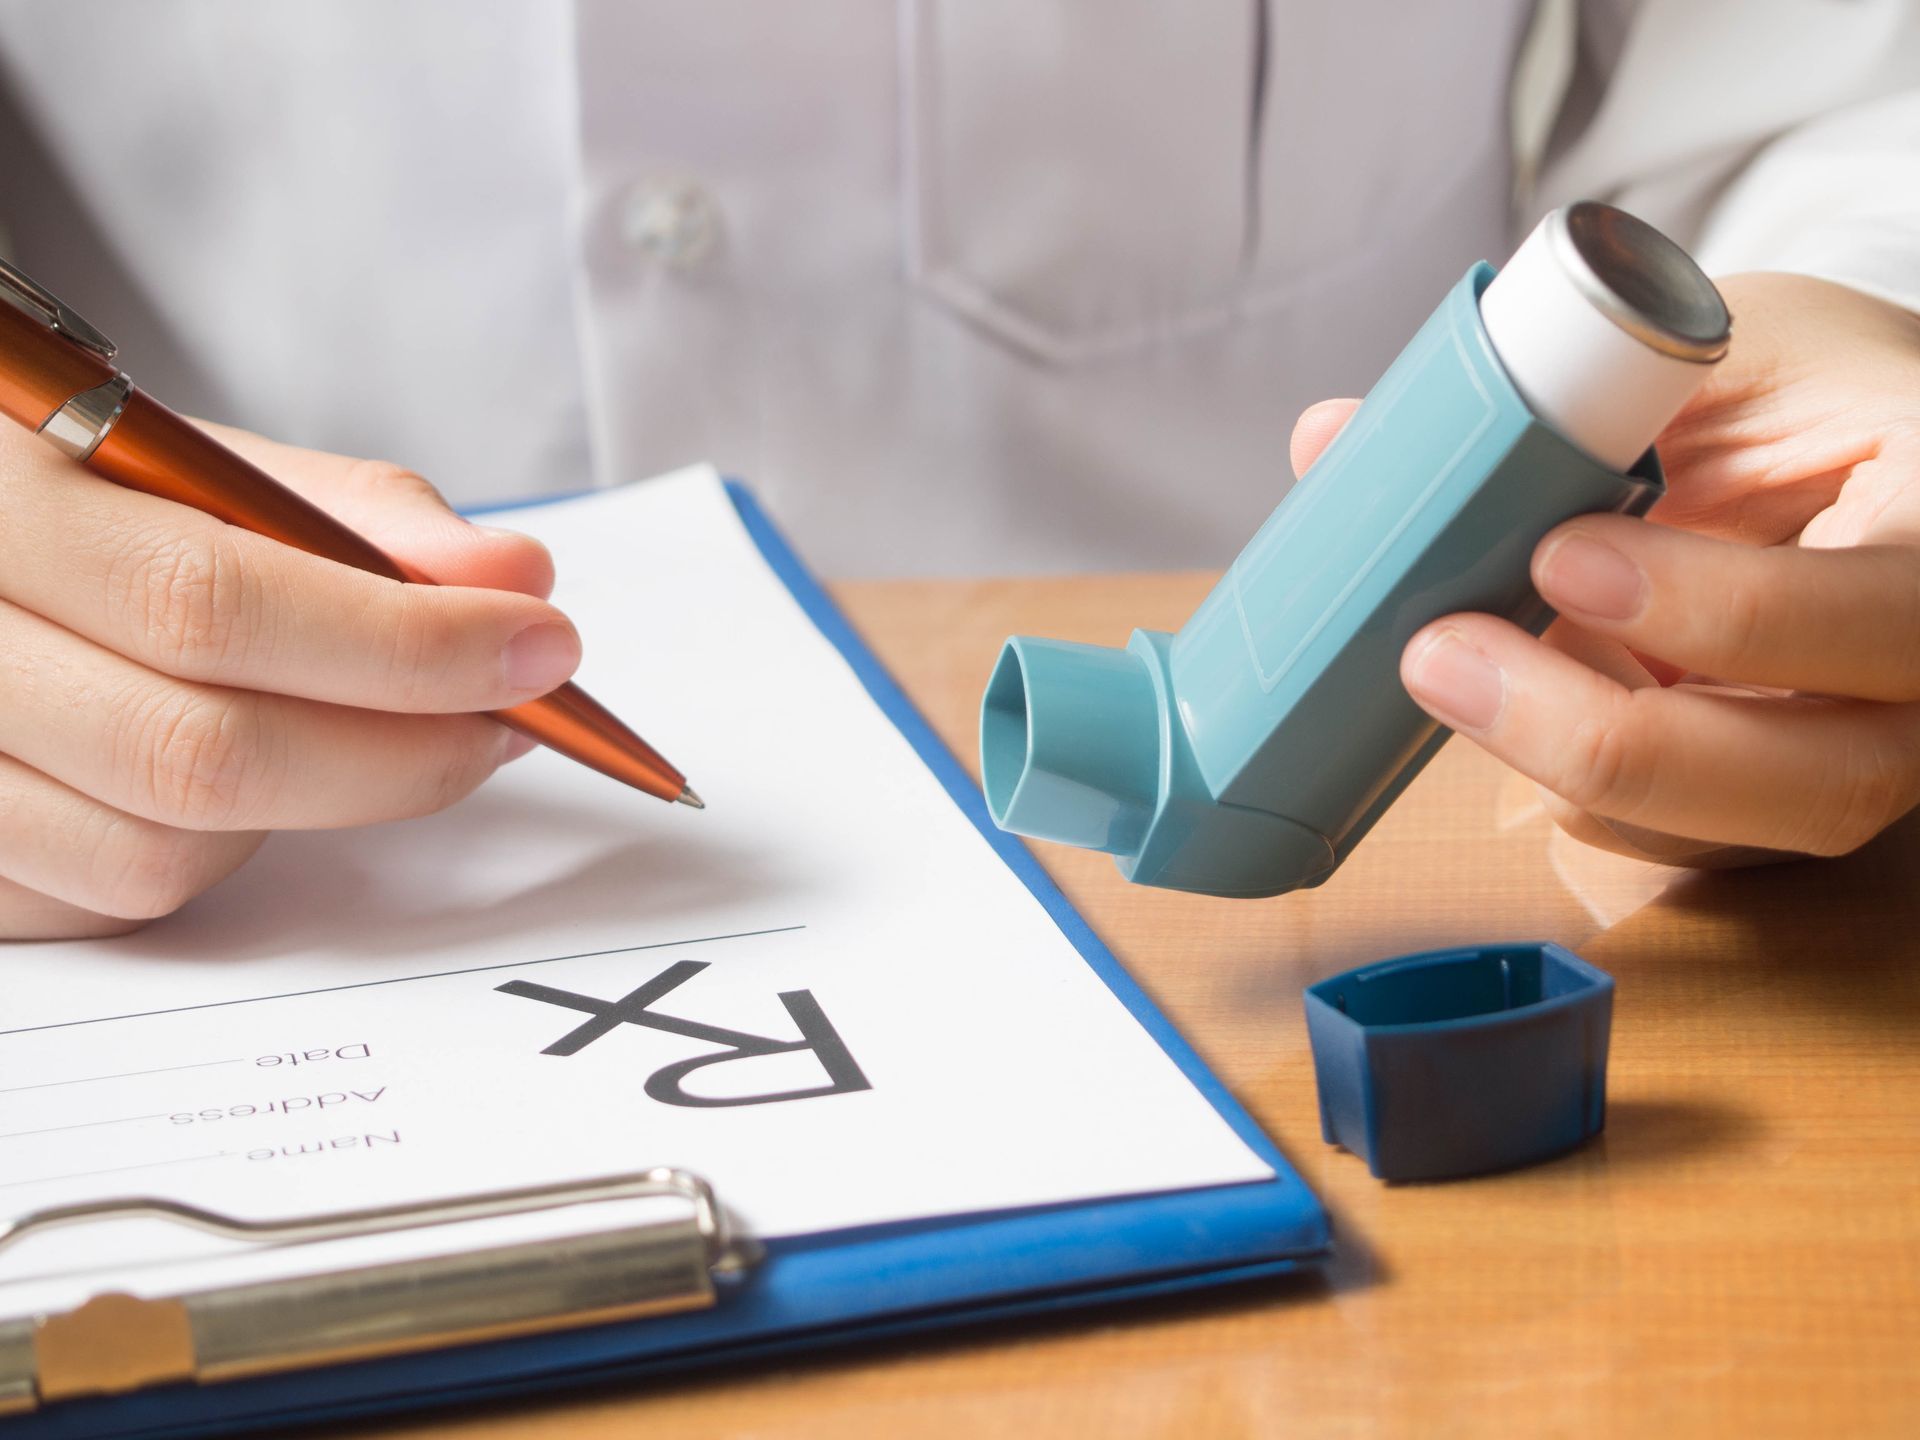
1249,753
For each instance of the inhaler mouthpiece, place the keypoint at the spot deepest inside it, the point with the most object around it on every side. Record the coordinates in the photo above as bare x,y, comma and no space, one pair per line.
1605,327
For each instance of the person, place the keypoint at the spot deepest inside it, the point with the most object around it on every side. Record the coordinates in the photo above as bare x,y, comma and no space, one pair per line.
962,286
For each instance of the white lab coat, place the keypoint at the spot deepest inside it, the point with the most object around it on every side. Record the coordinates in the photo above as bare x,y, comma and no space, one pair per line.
958,285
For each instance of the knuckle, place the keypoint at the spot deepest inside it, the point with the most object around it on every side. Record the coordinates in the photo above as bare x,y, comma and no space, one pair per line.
195,756
1876,785
190,596
1743,625
383,478
528,564
462,764
415,658
150,872
1602,769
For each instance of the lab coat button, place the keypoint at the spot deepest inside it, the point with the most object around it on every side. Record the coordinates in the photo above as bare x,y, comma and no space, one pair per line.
675,223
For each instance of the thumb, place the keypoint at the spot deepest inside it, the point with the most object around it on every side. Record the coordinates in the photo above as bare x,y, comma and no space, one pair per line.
1315,429
402,514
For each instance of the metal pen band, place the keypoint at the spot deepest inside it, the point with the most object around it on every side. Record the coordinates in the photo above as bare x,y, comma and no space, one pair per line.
77,427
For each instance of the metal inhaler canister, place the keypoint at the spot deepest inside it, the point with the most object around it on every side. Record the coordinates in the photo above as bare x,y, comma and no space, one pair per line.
1249,753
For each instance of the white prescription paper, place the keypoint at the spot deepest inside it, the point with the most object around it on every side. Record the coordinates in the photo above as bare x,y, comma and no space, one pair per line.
372,1016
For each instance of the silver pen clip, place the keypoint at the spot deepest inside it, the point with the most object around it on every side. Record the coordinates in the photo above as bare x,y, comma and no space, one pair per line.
26,294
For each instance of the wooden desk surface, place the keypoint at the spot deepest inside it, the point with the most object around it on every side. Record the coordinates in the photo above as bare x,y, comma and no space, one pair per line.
1739,1254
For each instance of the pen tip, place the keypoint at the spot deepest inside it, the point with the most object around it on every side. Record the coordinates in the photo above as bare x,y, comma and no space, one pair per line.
688,797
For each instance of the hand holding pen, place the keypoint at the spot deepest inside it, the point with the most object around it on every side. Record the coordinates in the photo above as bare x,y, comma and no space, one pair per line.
175,687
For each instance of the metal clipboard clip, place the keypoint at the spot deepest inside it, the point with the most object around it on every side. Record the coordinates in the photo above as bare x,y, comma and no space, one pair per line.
116,1342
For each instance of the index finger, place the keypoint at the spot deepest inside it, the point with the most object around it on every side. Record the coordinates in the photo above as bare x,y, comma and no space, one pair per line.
401,512
1809,776
189,596
1824,621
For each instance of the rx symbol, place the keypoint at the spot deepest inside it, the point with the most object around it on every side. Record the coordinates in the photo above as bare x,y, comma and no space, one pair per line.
635,1008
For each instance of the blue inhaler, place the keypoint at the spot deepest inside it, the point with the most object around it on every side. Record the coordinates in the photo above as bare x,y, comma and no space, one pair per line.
1249,753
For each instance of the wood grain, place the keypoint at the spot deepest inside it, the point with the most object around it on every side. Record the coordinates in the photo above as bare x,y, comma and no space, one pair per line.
1739,1254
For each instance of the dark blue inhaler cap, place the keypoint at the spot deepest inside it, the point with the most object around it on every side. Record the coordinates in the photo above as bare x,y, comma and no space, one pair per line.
1458,1062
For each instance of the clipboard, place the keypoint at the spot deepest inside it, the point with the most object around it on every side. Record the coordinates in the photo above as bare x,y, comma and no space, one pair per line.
693,1295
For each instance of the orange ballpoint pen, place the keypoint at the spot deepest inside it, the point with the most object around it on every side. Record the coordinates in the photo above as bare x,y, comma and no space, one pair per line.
57,378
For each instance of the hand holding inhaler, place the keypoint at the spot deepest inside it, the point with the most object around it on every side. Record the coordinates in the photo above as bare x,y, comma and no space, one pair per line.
1248,754
1740,679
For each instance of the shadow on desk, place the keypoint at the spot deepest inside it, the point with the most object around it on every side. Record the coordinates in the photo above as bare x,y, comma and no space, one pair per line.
1353,1266
1657,1132
1832,938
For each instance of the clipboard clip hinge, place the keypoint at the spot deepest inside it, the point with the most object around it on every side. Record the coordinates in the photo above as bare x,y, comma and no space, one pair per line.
116,1342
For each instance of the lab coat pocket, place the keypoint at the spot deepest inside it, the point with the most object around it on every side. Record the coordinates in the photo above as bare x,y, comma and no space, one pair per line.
1384,148
1077,171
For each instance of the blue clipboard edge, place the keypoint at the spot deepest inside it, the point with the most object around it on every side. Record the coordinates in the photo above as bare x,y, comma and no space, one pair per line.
826,1291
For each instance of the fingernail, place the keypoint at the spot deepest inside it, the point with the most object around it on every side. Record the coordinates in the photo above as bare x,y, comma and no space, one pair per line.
516,746
540,657
1589,577
1456,683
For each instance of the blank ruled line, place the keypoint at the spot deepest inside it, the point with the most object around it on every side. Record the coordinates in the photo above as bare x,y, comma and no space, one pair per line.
397,980
115,1169
116,1075
83,1125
